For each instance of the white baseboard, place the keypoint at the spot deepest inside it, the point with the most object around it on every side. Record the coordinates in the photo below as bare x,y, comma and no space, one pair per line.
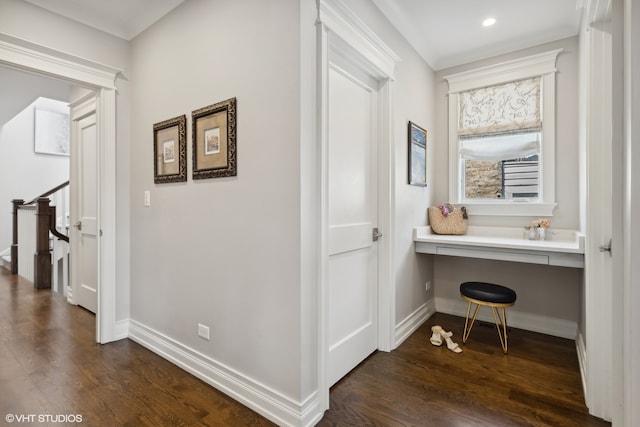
121,330
5,261
278,408
413,321
531,322
581,349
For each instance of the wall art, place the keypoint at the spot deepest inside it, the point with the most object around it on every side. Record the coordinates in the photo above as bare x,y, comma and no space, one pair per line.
214,140
51,132
170,150
417,155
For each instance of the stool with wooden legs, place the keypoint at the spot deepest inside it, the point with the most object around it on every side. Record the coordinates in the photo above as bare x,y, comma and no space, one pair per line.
490,295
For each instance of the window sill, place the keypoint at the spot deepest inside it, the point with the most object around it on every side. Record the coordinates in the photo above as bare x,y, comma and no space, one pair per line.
502,208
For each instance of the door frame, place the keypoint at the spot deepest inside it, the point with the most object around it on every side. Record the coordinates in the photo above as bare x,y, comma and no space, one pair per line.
31,57
340,31
602,366
631,203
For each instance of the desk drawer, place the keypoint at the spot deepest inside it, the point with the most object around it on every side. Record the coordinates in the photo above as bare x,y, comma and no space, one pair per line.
493,254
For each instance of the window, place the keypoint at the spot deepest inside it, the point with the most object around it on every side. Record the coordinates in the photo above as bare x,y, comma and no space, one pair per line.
499,141
501,137
515,174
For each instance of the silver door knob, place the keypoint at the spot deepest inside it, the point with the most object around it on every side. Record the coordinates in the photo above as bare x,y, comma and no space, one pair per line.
375,234
606,248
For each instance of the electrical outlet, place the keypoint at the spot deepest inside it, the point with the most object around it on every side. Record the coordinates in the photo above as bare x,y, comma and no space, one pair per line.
427,285
203,331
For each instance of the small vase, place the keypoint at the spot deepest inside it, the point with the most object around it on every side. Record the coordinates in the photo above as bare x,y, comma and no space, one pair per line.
532,233
541,233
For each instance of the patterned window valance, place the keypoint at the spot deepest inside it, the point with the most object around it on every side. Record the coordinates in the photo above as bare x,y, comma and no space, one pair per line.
508,107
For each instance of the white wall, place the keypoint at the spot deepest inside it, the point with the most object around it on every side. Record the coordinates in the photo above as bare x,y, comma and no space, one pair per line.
567,214
309,206
235,254
223,252
24,20
531,282
24,173
415,101
19,90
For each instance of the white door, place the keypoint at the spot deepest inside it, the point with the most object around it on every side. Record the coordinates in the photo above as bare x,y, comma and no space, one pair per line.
603,293
84,233
352,216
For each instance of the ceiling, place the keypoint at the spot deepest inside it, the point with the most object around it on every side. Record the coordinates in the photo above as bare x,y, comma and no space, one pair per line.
445,33
121,18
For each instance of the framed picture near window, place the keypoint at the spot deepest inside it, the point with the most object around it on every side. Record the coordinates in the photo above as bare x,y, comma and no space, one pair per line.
417,155
170,150
214,140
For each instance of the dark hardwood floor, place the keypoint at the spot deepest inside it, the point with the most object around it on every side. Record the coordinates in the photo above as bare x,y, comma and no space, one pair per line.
50,365
537,384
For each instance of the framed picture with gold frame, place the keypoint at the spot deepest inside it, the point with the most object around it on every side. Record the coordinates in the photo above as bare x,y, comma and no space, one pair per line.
214,140
170,150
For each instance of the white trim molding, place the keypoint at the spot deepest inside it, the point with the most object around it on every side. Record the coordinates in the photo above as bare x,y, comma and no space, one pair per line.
543,65
27,56
508,208
517,69
106,113
581,350
413,321
631,207
603,199
280,409
338,19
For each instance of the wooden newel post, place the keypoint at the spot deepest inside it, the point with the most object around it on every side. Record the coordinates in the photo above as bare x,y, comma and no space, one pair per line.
14,243
42,257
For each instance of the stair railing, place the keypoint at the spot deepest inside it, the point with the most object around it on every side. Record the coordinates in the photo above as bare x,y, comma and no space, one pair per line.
14,242
45,223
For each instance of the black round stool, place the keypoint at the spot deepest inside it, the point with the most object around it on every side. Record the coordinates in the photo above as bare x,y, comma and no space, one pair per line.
490,295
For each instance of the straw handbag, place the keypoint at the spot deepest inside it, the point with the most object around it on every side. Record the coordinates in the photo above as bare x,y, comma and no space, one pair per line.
445,219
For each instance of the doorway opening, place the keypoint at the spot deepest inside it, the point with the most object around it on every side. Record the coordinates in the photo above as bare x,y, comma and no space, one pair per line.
30,57
353,59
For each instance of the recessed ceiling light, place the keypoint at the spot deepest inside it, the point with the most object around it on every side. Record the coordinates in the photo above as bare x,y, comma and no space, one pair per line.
488,22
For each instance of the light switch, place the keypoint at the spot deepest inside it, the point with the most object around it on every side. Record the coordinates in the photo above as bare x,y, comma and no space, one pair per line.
147,198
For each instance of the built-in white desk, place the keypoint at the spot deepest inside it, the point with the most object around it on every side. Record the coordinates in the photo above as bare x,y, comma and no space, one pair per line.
562,248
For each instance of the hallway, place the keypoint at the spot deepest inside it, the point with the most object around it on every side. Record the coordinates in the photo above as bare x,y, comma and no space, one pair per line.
50,365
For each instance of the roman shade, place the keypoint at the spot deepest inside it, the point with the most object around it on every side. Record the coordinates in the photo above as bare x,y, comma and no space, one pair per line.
509,107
